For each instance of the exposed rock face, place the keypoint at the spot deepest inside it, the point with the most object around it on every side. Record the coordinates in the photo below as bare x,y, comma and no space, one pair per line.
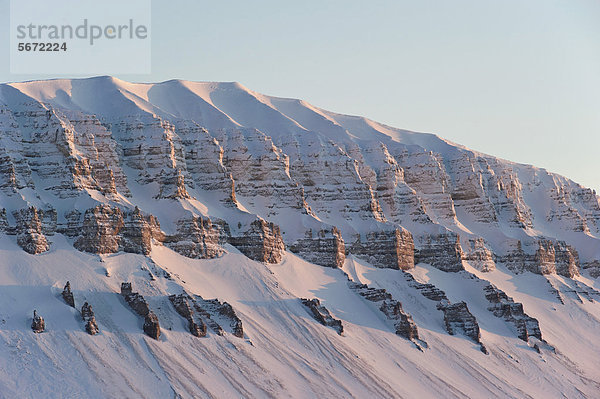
322,315
261,242
135,300
126,289
68,295
405,326
206,166
226,311
253,159
330,176
325,248
108,229
90,320
501,305
479,256
399,202
442,251
151,326
549,257
38,325
425,172
152,148
566,259
197,237
288,163
457,317
593,268
459,320
200,306
3,221
429,291
389,249
182,305
392,309
29,232
139,305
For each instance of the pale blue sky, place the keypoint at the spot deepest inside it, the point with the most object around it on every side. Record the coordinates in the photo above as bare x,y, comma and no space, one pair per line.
519,79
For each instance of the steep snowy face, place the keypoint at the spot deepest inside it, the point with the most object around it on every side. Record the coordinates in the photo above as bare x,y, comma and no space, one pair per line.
344,253
220,151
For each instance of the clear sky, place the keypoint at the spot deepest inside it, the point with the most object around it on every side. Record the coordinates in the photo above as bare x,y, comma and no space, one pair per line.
519,79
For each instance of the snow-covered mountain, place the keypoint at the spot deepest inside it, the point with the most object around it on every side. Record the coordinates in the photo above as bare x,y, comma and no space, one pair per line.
438,271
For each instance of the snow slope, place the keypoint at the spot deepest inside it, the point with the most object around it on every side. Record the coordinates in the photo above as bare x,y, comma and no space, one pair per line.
285,353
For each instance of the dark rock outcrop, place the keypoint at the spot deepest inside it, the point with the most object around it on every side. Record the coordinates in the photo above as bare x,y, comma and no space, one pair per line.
181,303
29,230
68,295
593,268
38,325
442,251
429,291
388,249
3,221
326,248
225,310
90,320
322,315
196,237
392,309
479,256
459,320
503,306
109,229
139,305
151,325
200,307
261,242
542,256
405,326
457,317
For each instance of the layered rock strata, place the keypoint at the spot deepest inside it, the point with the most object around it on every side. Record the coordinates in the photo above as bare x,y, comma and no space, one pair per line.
140,306
196,237
391,309
442,251
324,248
261,242
38,325
322,315
29,231
542,256
107,229
503,306
388,249
91,327
459,320
457,317
68,295
181,303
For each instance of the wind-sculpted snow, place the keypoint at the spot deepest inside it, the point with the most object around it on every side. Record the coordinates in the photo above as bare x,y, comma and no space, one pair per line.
257,200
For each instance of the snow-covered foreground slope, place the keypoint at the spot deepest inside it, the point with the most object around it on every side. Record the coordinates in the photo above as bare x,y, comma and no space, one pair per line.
453,273
284,353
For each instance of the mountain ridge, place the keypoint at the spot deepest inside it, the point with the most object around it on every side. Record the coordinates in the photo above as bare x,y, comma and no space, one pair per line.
414,244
